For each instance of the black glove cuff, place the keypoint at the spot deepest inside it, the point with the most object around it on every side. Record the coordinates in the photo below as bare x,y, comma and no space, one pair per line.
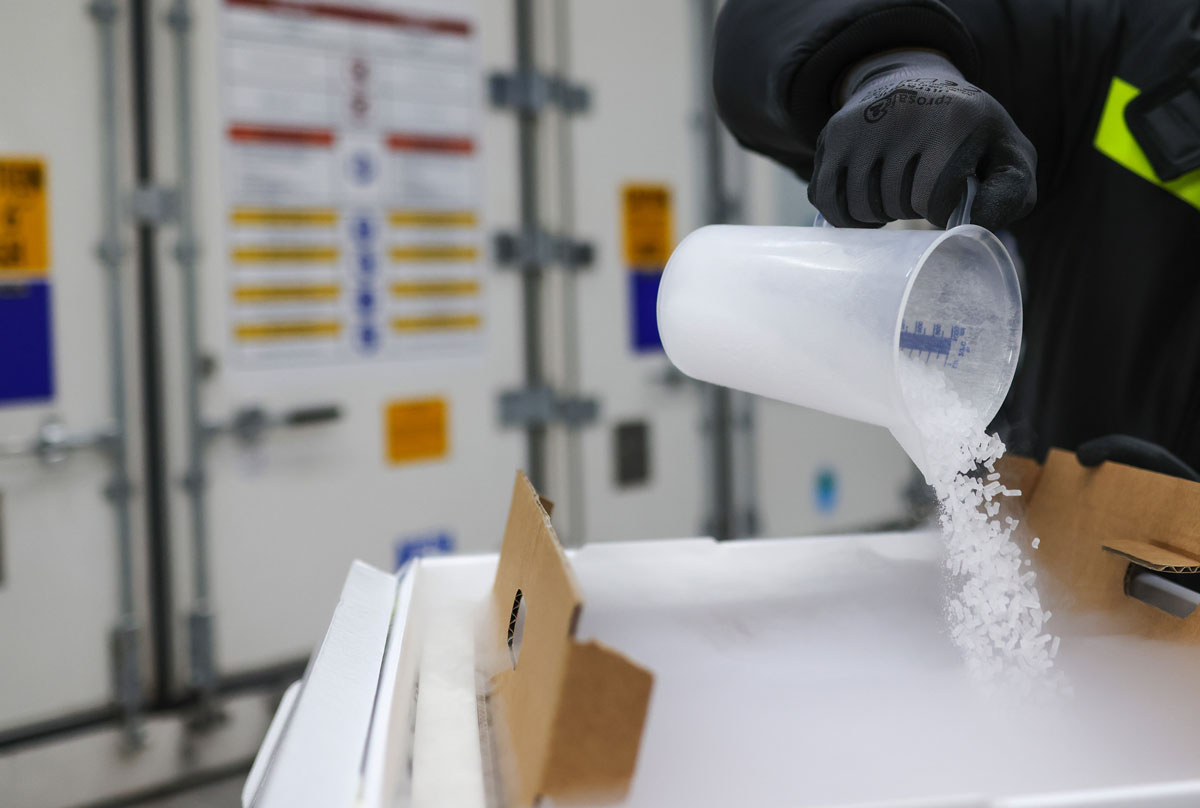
812,94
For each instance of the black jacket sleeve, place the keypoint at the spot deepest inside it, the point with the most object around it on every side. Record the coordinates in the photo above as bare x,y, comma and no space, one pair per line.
777,64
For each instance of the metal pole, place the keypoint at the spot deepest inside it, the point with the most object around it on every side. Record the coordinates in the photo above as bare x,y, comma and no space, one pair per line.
200,620
531,269
125,635
572,382
717,209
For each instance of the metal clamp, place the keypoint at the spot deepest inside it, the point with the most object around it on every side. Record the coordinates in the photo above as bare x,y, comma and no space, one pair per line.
532,251
542,405
54,443
249,425
529,91
153,204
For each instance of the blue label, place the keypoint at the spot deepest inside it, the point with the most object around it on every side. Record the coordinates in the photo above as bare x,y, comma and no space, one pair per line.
825,490
26,343
643,311
438,543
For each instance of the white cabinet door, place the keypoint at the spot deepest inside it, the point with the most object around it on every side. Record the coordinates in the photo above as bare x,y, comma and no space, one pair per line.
59,596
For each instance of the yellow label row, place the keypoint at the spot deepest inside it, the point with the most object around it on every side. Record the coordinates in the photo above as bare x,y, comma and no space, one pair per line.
284,217
287,253
309,329
328,217
433,253
325,292
433,218
297,293
328,254
326,329
435,288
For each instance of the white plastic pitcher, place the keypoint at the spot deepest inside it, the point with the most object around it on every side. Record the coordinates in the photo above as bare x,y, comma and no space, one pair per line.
823,317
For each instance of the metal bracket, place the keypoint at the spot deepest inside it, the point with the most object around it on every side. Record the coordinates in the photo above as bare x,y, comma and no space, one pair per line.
153,204
542,405
528,91
53,443
534,250
127,684
249,425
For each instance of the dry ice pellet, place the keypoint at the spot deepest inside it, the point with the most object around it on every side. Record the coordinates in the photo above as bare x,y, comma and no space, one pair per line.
995,614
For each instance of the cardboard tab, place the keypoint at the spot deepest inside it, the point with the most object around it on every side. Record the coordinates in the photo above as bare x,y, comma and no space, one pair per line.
570,714
1154,557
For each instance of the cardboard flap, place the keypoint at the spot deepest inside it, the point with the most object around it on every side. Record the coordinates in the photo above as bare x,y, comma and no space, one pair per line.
1094,521
570,714
1154,557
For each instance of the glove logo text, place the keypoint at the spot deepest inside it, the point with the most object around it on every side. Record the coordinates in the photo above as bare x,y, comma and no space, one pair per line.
915,92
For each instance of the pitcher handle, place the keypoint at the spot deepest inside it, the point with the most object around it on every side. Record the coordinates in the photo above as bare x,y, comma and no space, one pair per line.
959,216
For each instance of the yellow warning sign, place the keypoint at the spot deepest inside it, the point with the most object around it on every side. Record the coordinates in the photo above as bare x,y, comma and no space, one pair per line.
24,228
417,429
646,212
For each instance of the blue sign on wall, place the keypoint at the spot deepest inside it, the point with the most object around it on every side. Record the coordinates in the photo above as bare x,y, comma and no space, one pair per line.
26,343
826,490
435,543
643,310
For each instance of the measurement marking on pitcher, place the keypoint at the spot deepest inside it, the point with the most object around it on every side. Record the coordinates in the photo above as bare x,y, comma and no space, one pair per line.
935,341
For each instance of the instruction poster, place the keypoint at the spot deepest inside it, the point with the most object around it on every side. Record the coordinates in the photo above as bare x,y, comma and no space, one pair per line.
352,177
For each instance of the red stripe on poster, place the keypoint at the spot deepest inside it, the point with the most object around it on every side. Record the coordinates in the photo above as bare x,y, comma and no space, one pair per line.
434,143
250,133
377,16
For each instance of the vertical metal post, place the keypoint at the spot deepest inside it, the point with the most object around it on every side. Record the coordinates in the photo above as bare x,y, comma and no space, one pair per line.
717,209
531,269
572,383
200,619
127,677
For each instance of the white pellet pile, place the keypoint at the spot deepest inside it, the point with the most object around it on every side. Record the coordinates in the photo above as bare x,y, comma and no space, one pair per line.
994,612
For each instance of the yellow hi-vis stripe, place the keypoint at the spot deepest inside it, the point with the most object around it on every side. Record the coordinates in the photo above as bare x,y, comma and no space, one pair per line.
435,288
284,217
287,294
432,218
307,329
300,254
439,253
437,322
1115,141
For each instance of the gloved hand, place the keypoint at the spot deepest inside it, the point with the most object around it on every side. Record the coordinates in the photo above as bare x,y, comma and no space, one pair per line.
1134,452
910,131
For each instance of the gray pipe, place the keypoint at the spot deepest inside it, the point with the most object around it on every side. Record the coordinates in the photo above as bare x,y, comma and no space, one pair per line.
531,271
721,520
200,620
572,383
125,636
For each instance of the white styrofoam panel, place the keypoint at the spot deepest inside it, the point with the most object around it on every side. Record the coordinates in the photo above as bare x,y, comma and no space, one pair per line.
58,597
288,518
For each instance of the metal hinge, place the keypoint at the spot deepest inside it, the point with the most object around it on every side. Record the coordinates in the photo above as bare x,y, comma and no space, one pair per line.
153,204
537,249
542,405
532,92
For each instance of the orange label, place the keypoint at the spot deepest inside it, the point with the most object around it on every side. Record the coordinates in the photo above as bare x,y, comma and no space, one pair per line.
646,211
417,429
23,220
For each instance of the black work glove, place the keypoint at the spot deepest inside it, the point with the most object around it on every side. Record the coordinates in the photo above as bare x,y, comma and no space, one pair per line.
1134,452
910,132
